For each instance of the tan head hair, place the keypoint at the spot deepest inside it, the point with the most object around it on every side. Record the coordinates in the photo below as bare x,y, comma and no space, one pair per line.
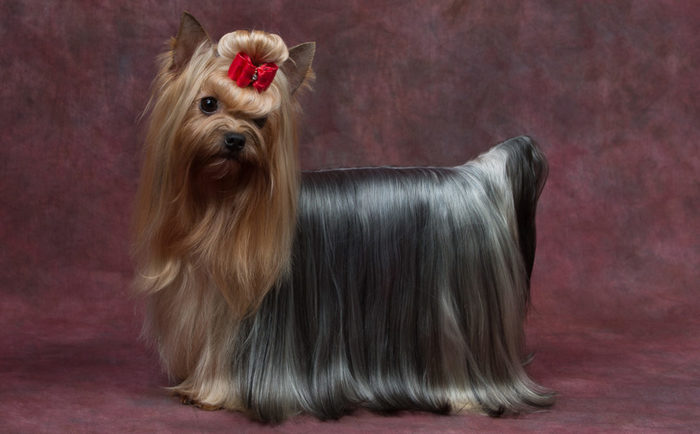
230,220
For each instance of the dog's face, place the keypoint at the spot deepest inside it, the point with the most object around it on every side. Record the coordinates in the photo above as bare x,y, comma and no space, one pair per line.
226,138
225,131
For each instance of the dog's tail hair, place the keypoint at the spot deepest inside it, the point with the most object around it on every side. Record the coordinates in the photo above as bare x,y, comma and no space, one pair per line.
527,170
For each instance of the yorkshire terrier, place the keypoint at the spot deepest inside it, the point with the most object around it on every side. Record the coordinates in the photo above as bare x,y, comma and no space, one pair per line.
273,291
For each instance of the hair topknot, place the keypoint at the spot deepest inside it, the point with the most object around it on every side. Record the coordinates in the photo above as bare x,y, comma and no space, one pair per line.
262,47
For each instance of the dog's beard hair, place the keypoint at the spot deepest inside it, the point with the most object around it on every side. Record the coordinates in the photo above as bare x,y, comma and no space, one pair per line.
409,291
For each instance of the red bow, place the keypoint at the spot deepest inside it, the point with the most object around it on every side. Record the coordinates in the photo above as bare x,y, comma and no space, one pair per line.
244,72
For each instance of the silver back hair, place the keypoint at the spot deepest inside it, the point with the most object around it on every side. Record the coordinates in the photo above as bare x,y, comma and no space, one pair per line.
408,291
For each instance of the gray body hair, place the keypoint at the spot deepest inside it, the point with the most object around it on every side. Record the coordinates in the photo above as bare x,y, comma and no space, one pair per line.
408,290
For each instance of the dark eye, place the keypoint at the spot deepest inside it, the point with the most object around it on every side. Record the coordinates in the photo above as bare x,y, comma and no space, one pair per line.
260,122
208,105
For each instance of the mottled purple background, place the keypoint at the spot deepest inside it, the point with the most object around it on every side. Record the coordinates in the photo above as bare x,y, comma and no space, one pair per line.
609,89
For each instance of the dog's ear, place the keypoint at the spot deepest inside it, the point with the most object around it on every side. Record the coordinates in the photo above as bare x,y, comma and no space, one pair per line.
190,36
298,67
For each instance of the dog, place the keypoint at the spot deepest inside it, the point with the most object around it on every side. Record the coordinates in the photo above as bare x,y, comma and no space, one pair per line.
274,292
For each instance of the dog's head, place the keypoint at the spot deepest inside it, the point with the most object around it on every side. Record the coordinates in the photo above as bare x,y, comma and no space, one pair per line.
223,110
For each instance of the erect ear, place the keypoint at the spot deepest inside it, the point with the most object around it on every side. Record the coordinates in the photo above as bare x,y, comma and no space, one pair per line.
190,36
298,67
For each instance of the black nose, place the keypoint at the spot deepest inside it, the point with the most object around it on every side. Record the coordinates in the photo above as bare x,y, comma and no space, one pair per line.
234,142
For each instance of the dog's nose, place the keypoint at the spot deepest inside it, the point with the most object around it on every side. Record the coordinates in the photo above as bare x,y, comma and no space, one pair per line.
234,142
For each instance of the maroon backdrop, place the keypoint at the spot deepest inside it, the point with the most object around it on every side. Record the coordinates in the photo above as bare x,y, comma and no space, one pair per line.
609,89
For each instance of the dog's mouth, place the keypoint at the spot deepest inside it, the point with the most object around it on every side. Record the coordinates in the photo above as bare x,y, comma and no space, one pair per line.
231,157
229,162
226,157
219,166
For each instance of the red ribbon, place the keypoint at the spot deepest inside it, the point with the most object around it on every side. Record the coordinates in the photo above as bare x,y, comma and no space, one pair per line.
244,72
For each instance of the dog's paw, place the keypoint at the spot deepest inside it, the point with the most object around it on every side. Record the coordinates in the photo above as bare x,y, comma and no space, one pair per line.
207,407
465,407
186,400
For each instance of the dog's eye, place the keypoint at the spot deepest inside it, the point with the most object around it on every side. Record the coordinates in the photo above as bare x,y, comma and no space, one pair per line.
208,105
260,122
